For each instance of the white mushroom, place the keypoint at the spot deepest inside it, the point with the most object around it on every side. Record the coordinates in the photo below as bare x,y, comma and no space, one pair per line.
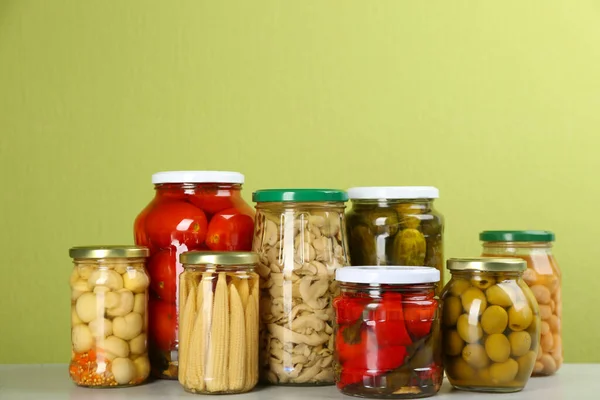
135,280
123,370
283,333
81,338
137,345
308,373
111,299
74,317
312,292
305,253
86,307
308,321
85,271
101,327
270,232
78,288
139,303
108,278
142,367
114,347
128,327
125,305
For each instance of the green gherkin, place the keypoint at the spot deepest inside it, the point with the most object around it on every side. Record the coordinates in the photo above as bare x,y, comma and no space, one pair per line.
383,221
362,246
409,248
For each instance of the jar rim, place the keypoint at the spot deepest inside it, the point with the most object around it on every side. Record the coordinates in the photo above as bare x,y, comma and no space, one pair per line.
389,274
303,195
219,258
393,192
109,251
491,264
197,177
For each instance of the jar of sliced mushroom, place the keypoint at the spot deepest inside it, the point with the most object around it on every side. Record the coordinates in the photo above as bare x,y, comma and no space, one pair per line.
299,235
109,297
218,322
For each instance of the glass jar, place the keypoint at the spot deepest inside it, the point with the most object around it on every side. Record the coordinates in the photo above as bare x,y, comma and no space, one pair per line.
491,325
396,225
300,238
191,210
544,278
387,332
109,297
218,327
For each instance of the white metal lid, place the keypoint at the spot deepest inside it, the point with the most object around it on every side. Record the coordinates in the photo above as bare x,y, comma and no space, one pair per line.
387,274
393,192
197,177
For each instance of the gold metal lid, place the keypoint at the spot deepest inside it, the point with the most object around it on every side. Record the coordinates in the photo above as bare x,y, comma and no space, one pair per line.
109,251
487,264
219,258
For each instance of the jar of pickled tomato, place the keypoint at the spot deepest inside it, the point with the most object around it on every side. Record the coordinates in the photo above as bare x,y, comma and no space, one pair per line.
387,332
491,325
544,278
191,210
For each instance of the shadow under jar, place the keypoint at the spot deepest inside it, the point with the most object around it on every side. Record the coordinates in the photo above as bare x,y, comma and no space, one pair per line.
388,339
109,297
300,238
191,210
218,331
491,325
543,276
396,225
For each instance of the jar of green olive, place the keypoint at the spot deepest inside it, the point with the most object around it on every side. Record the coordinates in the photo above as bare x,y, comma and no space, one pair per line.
490,325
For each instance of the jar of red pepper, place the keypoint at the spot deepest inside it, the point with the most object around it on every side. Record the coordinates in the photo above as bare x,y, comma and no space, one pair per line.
191,210
387,332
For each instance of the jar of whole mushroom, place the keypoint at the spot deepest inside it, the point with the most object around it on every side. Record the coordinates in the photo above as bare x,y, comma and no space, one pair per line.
218,310
396,225
490,325
299,235
387,329
109,297
544,278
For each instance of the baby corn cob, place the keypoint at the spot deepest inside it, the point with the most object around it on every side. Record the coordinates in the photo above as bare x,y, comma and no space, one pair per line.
185,331
251,343
196,359
243,289
237,341
218,354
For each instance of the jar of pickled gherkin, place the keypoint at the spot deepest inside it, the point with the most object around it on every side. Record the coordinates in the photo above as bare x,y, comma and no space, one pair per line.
544,278
218,311
299,235
490,325
387,332
396,225
109,298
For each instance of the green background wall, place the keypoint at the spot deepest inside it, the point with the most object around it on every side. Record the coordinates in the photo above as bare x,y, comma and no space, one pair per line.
496,103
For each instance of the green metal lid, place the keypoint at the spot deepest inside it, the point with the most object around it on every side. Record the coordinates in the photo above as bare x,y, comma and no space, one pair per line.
516,236
298,195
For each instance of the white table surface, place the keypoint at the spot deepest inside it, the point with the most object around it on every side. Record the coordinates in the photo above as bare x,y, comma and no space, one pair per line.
51,382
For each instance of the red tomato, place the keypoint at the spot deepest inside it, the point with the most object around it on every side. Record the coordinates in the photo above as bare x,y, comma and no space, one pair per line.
349,309
387,322
419,315
230,230
162,268
176,222
213,201
162,324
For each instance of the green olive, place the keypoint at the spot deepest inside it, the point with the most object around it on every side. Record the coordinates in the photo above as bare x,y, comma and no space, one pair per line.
473,301
451,310
460,369
519,317
469,331
520,343
475,355
494,320
504,372
483,376
526,363
483,281
499,295
497,347
453,344
458,286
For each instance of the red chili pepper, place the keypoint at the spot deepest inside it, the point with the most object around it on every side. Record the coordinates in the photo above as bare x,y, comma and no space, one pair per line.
387,322
374,361
419,313
349,309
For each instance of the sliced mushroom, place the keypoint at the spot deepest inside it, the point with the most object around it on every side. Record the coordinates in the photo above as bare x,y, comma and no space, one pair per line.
312,292
286,334
308,321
